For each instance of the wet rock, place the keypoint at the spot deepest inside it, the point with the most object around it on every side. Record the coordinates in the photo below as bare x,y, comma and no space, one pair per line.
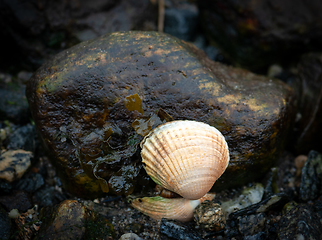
5,225
318,209
181,20
89,130
17,200
72,220
13,103
209,216
311,178
22,138
272,202
300,223
33,31
307,130
257,236
5,187
258,33
247,197
24,76
48,196
251,224
130,236
27,224
178,231
32,183
14,163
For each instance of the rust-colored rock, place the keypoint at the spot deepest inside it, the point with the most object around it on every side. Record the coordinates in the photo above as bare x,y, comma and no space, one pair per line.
81,104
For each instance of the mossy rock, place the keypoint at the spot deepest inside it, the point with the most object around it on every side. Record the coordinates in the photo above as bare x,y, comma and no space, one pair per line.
88,99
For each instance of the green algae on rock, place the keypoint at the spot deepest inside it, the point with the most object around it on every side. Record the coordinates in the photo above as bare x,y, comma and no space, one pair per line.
87,101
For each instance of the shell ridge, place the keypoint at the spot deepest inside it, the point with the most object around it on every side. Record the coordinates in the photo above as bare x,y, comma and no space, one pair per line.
165,166
152,165
172,170
188,157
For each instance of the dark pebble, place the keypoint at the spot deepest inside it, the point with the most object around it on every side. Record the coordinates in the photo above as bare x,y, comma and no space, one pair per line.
181,21
13,104
300,222
23,138
17,200
257,236
172,229
251,224
5,225
48,197
311,179
5,187
31,183
272,202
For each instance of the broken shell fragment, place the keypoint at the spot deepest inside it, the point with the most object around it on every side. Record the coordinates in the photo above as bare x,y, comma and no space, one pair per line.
171,208
185,157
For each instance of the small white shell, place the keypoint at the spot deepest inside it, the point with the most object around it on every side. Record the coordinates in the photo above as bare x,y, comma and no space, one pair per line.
185,157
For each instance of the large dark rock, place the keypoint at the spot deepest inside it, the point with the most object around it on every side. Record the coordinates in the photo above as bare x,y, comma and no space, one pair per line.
258,33
307,127
90,101
32,31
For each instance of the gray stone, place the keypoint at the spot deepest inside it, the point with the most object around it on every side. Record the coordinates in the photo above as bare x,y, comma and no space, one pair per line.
311,178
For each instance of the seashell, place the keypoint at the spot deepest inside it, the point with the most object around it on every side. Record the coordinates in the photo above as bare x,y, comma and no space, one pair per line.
185,157
171,208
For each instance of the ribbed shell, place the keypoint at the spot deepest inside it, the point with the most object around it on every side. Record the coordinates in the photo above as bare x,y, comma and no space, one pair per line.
185,157
171,208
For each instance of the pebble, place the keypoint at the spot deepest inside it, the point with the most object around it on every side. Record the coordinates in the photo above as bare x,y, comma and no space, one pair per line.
249,196
13,213
23,138
13,103
130,236
5,224
210,216
181,20
300,222
251,224
177,230
19,200
48,197
72,220
24,76
311,178
14,163
32,183
272,202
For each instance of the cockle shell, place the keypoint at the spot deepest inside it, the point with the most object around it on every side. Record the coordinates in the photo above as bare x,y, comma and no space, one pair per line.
185,157
171,208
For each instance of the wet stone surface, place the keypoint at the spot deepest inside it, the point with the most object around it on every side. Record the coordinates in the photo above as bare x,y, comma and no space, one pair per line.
81,103
300,222
311,179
